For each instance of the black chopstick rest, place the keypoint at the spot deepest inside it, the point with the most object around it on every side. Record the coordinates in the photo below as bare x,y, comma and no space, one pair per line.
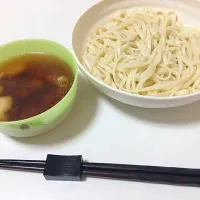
63,168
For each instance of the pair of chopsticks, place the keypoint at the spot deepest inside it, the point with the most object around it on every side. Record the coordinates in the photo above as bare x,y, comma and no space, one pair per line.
73,168
23,165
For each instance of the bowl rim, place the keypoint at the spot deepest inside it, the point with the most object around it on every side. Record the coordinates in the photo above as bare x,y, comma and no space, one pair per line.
82,68
43,114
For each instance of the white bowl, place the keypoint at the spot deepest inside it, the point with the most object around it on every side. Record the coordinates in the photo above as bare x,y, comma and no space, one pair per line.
188,12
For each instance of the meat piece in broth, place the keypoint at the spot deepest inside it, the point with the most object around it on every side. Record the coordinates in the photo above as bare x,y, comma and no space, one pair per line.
6,104
12,71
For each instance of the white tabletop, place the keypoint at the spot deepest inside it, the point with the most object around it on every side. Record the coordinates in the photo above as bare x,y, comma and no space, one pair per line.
98,127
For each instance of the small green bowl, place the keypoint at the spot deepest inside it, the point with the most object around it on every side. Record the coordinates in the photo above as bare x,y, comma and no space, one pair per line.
54,116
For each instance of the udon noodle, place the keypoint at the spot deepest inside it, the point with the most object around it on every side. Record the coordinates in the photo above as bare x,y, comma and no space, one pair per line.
146,52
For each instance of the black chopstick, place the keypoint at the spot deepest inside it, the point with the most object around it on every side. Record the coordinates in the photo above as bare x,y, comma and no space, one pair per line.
144,177
72,168
28,162
37,169
142,169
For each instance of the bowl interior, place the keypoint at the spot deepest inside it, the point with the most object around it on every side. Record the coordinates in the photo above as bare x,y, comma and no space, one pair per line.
187,11
48,47
37,46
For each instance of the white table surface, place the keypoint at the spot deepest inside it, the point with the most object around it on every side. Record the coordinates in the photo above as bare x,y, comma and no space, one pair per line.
98,127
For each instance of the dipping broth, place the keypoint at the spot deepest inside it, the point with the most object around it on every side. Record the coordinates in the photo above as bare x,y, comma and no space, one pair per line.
32,83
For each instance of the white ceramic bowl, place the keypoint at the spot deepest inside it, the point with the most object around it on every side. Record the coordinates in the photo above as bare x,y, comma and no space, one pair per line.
188,12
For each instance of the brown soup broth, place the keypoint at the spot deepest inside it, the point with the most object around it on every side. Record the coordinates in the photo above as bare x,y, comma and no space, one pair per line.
31,84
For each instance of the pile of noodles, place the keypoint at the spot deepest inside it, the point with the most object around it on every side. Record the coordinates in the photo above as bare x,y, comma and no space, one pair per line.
145,52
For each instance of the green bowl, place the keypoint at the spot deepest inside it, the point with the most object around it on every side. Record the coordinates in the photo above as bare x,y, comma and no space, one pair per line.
54,116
